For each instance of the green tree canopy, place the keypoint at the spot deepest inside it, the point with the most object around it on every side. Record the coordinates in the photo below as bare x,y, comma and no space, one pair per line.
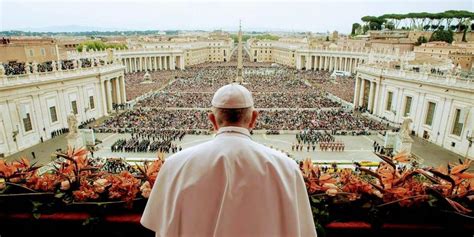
442,35
355,27
99,45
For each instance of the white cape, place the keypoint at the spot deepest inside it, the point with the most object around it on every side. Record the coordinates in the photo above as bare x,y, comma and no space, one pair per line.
229,186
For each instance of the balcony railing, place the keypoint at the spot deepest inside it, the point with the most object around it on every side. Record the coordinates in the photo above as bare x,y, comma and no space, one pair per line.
56,75
450,80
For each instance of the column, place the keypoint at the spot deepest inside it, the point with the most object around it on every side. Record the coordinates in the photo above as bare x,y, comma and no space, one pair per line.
160,63
181,62
129,65
376,97
345,65
356,91
108,89
173,62
308,62
141,66
350,66
320,63
122,89
117,91
137,60
123,63
153,63
371,97
134,64
103,98
362,91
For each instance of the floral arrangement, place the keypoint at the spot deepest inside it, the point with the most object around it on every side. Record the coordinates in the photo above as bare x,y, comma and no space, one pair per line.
393,183
75,178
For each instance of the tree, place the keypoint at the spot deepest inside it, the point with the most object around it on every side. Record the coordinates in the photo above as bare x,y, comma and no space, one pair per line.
99,45
464,34
355,27
365,28
421,40
389,25
327,38
442,35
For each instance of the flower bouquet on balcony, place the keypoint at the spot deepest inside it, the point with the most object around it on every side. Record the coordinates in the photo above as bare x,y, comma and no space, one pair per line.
74,182
13,185
394,192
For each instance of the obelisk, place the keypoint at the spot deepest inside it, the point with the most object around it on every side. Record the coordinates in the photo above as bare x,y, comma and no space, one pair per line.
240,65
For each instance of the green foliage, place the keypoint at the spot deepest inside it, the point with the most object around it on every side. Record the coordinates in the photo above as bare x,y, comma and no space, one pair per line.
235,37
464,35
355,27
442,35
389,25
365,28
99,45
421,40
327,38
422,20
267,37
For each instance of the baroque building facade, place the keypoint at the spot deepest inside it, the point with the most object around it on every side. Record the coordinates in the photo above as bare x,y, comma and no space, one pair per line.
35,105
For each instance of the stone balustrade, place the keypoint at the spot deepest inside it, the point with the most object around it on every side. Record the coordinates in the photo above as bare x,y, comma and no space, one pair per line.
449,80
11,80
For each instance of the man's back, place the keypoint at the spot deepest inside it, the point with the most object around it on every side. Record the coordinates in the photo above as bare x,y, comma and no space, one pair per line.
230,186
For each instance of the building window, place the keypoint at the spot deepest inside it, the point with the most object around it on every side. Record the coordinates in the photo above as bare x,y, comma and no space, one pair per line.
74,106
54,115
91,102
407,106
430,113
27,123
31,53
43,52
457,128
388,106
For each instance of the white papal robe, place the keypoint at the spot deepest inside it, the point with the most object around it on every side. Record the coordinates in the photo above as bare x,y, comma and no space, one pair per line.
229,186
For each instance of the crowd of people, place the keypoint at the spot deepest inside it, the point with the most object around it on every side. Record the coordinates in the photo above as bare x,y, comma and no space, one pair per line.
311,99
342,87
334,120
288,99
146,119
58,132
156,141
135,86
312,138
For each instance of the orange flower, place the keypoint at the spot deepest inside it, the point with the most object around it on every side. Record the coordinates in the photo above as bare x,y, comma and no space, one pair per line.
46,182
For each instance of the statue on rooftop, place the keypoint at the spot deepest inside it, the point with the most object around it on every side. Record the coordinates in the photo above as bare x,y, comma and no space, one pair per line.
74,64
27,68
35,67
53,66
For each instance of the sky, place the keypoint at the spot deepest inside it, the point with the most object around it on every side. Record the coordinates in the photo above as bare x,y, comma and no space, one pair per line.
297,16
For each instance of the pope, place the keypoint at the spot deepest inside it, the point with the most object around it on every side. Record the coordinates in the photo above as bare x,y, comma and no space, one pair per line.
231,185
